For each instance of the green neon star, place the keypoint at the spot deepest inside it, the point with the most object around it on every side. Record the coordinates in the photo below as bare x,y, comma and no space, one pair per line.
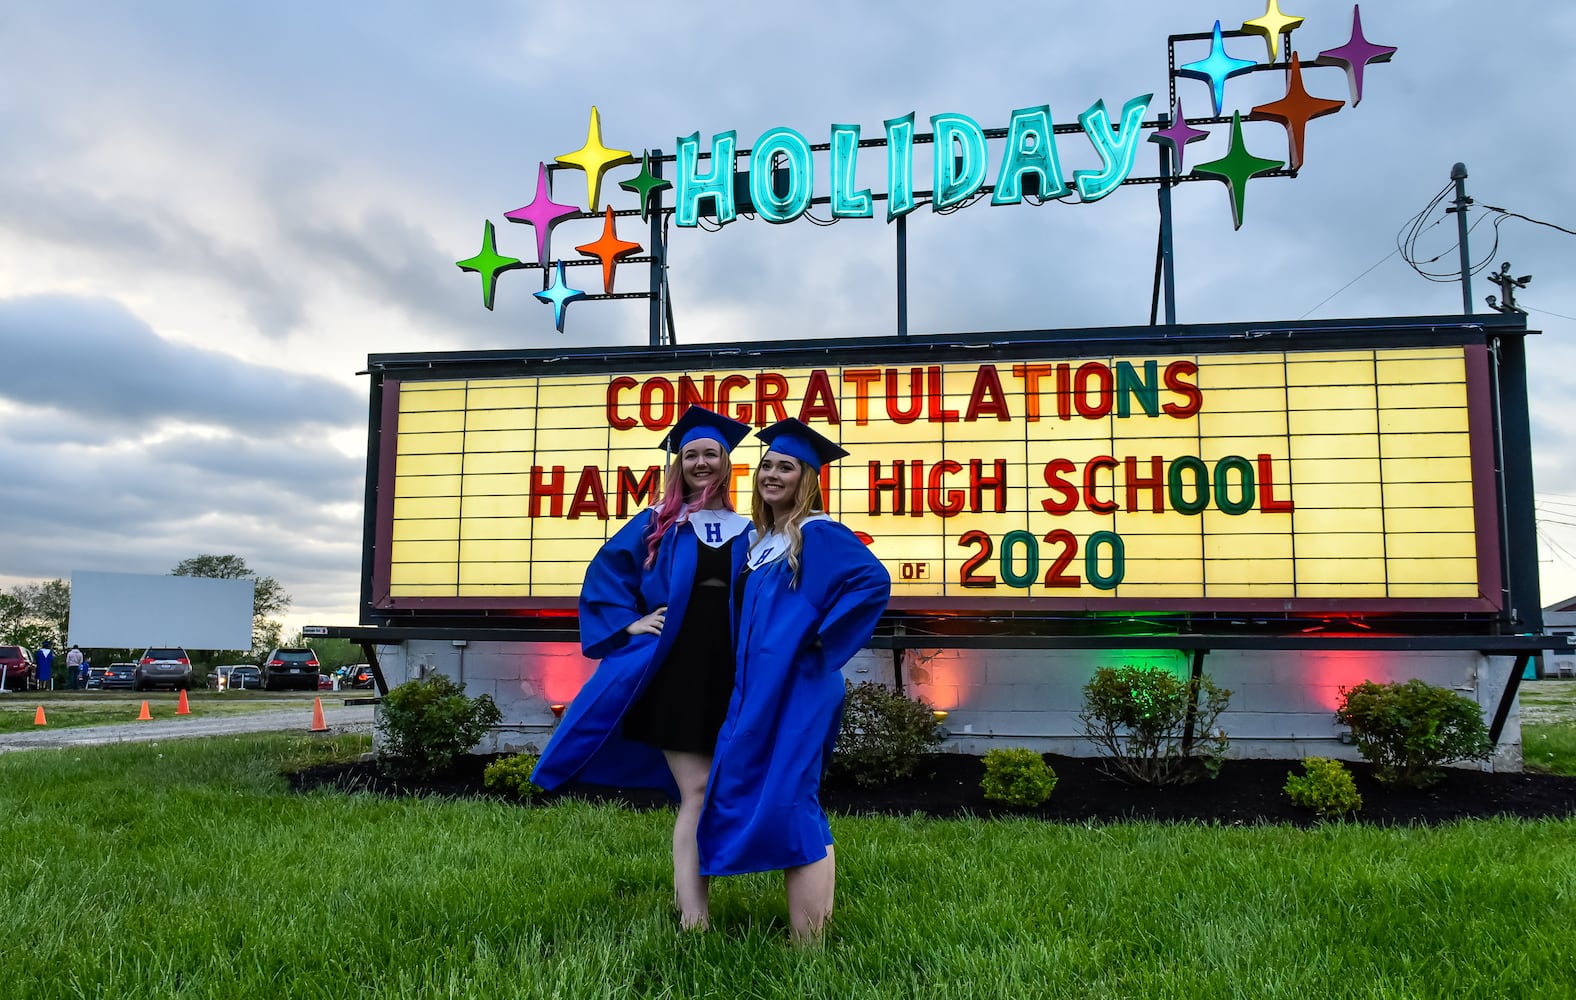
1236,167
489,264
644,183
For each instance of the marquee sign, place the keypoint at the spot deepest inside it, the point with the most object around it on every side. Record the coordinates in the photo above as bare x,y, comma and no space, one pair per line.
780,180
1278,478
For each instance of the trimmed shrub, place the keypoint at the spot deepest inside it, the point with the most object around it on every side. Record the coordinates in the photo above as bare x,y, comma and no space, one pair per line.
1409,730
1325,786
1138,718
883,736
511,776
426,724
1017,776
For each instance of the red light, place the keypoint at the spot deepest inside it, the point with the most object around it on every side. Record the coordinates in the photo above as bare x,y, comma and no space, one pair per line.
311,663
276,663
147,659
558,710
183,661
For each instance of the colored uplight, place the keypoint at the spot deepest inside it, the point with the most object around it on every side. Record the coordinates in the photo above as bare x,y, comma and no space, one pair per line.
560,295
717,184
489,264
609,249
795,151
1236,167
900,166
595,159
1216,69
959,159
1295,110
542,214
1354,55
1117,152
1031,148
557,708
1272,25
644,184
1178,135
847,202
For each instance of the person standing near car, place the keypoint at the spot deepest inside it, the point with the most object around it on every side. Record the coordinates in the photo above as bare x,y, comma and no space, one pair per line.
74,660
807,599
44,660
655,609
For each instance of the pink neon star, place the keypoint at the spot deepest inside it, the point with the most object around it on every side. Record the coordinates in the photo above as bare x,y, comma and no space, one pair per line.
1178,135
1354,55
543,213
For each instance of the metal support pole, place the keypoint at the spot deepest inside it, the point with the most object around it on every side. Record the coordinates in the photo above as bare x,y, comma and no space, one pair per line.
1167,256
1458,173
1502,713
902,276
659,254
1194,677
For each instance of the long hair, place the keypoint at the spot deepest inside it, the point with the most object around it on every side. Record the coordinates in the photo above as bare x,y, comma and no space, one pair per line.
806,501
674,504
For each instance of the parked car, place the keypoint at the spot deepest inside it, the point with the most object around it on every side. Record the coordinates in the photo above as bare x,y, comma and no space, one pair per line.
96,677
17,662
162,665
290,668
357,675
244,676
119,675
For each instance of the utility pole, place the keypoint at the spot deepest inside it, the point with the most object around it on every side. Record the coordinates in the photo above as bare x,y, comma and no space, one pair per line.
1458,173
1507,286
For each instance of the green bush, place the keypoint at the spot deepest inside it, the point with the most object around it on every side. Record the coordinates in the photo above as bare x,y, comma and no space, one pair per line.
1017,776
883,736
511,776
1138,719
1325,786
426,724
1408,730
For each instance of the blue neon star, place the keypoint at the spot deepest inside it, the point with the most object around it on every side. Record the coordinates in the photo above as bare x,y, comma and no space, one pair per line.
560,295
1217,69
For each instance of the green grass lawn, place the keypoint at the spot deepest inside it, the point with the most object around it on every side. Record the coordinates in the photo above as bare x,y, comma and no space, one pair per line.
65,709
187,869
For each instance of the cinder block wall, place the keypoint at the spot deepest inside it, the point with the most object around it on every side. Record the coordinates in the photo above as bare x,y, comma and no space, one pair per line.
1282,703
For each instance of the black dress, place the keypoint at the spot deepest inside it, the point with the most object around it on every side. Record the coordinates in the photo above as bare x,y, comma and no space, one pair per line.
684,705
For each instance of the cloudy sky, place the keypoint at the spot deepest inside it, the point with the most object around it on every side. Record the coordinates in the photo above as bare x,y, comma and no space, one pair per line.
210,214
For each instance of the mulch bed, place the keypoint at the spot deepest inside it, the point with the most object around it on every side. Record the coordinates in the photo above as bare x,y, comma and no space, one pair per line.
1247,792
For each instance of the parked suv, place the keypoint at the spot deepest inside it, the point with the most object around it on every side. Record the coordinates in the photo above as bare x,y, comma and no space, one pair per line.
164,665
290,668
17,663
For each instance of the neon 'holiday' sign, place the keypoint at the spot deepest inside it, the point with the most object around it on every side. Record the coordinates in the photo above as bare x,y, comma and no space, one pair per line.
779,183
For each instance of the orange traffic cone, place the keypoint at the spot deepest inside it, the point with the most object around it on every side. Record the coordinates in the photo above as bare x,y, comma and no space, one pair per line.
318,725
144,717
38,716
183,708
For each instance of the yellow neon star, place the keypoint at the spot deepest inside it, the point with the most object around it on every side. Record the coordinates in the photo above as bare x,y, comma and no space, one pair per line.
595,159
1272,25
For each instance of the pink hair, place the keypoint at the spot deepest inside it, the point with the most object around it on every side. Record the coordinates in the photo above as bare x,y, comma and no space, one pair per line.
673,504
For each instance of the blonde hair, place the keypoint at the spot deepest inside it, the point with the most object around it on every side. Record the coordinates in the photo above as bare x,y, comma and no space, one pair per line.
806,501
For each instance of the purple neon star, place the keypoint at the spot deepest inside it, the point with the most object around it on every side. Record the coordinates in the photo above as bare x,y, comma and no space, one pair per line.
1178,135
543,213
1354,55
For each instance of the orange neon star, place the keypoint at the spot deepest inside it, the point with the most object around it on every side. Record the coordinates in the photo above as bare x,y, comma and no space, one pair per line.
1295,110
609,249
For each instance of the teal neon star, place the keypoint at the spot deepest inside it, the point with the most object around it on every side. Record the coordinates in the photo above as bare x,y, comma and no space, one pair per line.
644,183
1217,69
1236,167
489,264
560,295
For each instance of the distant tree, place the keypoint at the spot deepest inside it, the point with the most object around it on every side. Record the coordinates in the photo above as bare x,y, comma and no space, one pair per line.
48,603
19,625
268,597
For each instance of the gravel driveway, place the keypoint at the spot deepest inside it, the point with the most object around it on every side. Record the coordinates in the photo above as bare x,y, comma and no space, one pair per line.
340,719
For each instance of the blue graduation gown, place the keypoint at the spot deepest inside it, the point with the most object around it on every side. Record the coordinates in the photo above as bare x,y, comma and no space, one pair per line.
763,809
589,744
